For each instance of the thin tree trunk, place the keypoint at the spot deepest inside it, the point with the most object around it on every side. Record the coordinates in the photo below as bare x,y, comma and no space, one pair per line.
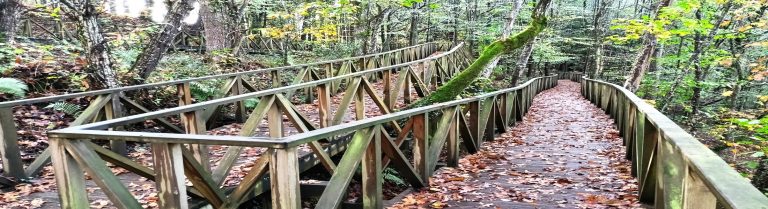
154,50
522,62
216,27
96,46
413,32
9,18
644,57
504,34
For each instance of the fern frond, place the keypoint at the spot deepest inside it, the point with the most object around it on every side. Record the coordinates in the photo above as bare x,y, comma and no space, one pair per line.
65,107
13,87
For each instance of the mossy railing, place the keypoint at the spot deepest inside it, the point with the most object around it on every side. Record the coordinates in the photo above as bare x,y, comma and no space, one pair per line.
673,169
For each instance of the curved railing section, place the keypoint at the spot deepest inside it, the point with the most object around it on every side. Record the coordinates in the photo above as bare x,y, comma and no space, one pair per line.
673,169
113,103
432,128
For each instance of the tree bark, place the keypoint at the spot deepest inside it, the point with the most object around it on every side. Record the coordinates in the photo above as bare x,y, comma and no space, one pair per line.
522,62
217,28
96,47
455,86
9,18
504,34
153,51
413,32
644,57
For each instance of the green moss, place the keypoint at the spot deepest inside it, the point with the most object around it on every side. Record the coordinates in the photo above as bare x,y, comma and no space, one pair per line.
455,86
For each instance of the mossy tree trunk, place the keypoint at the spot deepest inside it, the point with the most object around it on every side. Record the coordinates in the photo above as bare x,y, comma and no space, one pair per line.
455,86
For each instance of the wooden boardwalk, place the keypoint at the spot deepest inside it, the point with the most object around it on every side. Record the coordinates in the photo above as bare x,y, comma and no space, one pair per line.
566,153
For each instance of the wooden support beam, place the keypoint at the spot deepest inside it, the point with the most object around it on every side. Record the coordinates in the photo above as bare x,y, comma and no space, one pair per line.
70,180
284,177
372,177
117,193
114,109
420,143
336,191
9,147
169,167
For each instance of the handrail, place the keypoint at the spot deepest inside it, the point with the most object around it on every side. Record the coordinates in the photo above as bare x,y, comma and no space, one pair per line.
111,102
674,169
174,82
227,100
471,120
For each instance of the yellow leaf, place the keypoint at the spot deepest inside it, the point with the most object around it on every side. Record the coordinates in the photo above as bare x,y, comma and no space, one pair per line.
727,93
763,98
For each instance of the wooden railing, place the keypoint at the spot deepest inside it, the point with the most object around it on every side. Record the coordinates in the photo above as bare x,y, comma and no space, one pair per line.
473,120
673,169
113,103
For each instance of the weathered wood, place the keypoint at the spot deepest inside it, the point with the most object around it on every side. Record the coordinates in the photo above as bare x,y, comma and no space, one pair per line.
400,162
372,178
129,103
284,176
467,138
387,82
9,148
114,109
324,105
122,161
420,143
201,180
117,193
258,170
438,139
69,176
325,159
334,194
349,94
169,168
453,141
193,124
697,195
237,89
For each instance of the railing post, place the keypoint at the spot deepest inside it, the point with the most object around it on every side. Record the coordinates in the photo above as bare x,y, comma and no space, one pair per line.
453,140
284,178
114,109
9,146
671,170
237,89
420,149
372,178
169,175
69,176
193,124
697,195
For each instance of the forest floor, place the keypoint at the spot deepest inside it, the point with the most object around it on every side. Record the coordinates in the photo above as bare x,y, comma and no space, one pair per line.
566,153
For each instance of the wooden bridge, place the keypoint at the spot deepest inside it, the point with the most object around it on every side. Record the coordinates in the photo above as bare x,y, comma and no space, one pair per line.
352,141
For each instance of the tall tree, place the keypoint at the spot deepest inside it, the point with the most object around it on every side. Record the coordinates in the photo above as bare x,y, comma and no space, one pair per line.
96,47
171,27
518,5
643,60
456,85
9,18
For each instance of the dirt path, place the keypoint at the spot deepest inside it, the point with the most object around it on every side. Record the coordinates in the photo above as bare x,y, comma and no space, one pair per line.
565,154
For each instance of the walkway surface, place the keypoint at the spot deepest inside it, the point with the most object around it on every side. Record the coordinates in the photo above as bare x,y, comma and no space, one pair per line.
565,154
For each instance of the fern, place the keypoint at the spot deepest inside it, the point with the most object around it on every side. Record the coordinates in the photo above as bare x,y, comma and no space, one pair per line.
391,175
65,107
13,87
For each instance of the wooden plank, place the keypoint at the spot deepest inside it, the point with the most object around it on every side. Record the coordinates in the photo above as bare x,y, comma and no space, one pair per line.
9,147
697,195
378,101
453,141
420,143
122,161
334,194
193,123
169,168
284,178
117,193
440,136
359,101
387,77
406,86
238,89
69,176
371,169
671,172
297,80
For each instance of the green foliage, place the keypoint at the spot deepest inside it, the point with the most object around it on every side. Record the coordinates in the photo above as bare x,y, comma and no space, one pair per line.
13,87
391,175
65,107
478,87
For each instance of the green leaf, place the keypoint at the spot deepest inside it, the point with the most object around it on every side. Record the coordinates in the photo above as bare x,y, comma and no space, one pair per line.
13,87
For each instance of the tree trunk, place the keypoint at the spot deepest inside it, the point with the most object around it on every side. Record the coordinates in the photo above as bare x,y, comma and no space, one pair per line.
9,18
456,85
97,49
522,62
504,34
153,51
413,32
217,29
644,57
